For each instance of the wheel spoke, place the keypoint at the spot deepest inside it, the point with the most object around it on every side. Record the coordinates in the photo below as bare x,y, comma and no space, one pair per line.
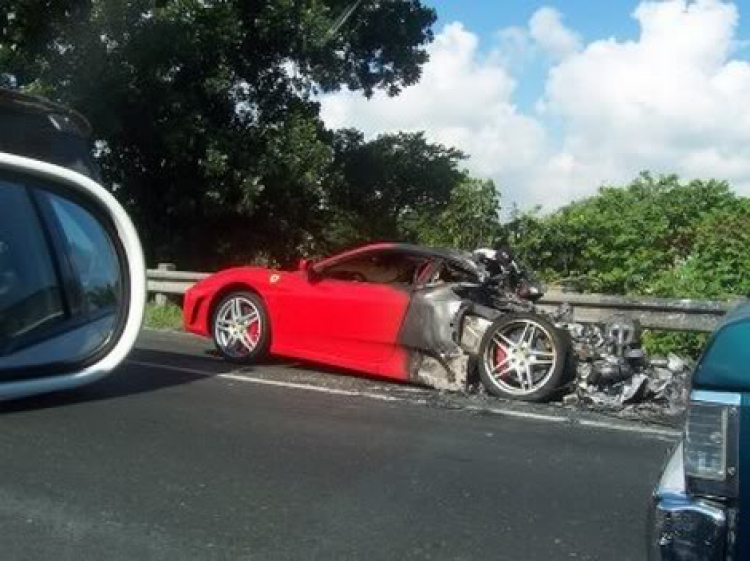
530,337
246,342
529,378
541,354
499,365
543,362
522,338
503,342
523,379
236,309
248,317
508,371
239,346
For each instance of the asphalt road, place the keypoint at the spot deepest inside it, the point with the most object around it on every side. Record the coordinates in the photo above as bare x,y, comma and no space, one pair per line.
176,457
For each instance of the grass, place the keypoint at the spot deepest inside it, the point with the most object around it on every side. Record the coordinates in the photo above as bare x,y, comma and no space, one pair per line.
167,317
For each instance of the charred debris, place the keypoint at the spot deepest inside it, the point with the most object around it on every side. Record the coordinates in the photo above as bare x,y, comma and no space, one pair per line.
609,369
612,371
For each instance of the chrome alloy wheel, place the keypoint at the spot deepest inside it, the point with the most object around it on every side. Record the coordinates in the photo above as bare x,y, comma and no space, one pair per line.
238,327
521,357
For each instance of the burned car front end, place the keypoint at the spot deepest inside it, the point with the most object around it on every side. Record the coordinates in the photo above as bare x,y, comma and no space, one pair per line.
474,315
697,511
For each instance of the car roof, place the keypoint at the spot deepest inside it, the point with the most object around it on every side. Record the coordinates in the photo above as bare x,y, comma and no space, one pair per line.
458,258
723,364
59,117
738,314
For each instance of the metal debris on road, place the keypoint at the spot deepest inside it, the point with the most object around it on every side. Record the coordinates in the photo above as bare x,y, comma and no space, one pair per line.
612,371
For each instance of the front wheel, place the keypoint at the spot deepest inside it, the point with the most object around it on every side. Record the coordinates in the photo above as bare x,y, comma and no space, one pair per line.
241,331
523,356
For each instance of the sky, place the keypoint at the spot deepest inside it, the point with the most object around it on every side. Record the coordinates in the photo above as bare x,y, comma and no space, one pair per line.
552,99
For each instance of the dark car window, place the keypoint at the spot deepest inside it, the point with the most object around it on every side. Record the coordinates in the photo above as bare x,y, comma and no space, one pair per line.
377,268
30,296
93,257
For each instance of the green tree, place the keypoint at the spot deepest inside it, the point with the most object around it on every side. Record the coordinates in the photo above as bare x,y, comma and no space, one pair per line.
654,236
468,221
204,110
620,240
385,188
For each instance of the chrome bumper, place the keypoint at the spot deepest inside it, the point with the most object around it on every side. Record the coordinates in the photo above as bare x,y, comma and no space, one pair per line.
681,527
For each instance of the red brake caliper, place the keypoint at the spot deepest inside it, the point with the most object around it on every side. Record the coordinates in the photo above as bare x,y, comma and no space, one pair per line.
500,356
253,330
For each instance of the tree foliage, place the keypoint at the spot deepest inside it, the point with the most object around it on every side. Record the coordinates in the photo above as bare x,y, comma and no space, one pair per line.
204,109
621,240
654,236
386,183
469,221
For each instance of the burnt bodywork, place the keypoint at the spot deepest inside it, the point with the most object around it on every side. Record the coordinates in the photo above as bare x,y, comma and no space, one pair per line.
455,301
452,303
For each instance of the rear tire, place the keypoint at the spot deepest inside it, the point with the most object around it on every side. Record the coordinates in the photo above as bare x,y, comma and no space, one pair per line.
240,328
523,356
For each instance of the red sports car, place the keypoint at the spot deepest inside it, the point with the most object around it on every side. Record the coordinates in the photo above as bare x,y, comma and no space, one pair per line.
398,311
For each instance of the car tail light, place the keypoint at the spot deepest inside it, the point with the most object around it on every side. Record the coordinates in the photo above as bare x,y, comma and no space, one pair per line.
711,444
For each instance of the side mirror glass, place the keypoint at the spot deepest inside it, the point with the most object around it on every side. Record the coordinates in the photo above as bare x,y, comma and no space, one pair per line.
72,279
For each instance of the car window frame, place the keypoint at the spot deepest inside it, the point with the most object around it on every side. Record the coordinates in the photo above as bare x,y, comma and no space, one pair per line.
68,282
439,264
319,271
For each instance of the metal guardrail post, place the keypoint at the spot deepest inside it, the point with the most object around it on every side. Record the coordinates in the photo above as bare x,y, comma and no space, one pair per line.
160,299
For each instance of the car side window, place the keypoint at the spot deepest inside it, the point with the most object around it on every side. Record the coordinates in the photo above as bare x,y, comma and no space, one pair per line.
30,295
377,268
93,258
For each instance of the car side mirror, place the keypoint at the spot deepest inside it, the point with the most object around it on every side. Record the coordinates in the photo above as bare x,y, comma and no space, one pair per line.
72,279
307,267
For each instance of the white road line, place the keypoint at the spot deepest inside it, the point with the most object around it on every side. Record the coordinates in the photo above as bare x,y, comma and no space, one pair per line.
263,381
309,387
669,434
518,414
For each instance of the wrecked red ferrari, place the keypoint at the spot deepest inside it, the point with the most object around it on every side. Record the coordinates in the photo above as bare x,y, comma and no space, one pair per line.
403,312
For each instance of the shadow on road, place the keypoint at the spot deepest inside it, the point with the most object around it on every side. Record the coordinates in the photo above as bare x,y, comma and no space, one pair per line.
132,377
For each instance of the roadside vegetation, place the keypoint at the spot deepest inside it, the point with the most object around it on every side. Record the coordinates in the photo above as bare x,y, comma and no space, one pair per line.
168,316
208,130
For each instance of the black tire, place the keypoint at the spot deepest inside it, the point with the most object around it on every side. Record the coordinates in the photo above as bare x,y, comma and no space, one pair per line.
263,342
550,340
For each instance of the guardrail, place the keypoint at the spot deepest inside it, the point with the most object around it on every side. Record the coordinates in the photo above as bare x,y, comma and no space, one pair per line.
661,314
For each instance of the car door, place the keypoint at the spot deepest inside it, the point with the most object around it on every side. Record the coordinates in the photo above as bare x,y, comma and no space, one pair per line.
349,312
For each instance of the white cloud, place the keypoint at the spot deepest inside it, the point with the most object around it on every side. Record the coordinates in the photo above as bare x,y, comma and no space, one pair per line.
671,101
462,100
547,29
675,99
